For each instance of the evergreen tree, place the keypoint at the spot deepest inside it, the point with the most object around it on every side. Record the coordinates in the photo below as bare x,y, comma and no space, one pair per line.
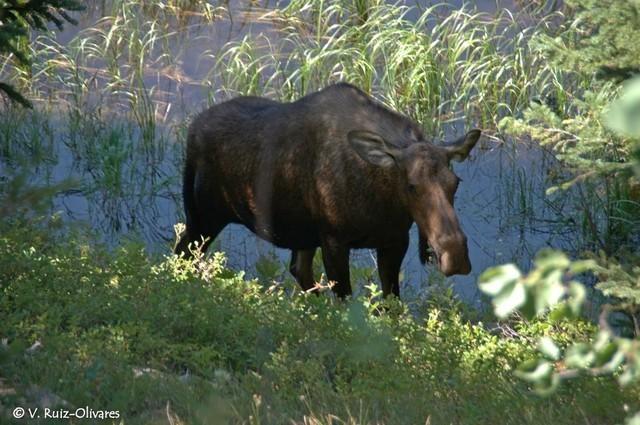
602,39
598,54
17,17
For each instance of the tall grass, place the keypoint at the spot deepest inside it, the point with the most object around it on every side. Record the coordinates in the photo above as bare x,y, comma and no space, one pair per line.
444,64
436,64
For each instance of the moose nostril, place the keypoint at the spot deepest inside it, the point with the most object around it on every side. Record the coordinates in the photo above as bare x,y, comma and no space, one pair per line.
452,263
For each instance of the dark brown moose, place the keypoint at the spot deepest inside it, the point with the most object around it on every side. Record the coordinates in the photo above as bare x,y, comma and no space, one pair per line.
335,170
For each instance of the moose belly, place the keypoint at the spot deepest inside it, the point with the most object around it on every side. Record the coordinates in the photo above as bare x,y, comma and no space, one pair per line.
283,233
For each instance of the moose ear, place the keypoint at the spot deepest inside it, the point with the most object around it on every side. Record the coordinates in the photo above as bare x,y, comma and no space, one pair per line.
459,149
372,148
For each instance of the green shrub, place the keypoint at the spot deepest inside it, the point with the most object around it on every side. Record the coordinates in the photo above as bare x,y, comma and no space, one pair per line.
122,330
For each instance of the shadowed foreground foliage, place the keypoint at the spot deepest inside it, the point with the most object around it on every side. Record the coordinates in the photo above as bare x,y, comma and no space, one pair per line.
167,340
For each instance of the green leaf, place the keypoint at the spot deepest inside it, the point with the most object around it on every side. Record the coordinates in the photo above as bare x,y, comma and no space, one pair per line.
548,294
550,258
634,420
627,377
510,299
535,371
548,348
610,358
548,385
560,312
582,266
494,280
579,356
624,114
577,294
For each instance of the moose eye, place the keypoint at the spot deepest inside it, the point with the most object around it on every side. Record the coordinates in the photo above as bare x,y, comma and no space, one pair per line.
412,188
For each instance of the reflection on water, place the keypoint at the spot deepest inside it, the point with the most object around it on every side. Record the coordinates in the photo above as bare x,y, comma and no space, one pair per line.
126,187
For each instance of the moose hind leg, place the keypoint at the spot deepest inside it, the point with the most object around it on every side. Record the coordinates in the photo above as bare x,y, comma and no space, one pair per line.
207,216
203,238
301,267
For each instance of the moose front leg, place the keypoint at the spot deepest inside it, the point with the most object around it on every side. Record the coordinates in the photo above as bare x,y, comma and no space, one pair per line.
301,267
389,262
335,257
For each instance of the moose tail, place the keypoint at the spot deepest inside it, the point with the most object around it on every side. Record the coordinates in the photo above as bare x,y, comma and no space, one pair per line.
189,198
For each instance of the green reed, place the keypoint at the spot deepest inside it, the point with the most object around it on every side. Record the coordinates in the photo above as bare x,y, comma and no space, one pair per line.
441,65
435,64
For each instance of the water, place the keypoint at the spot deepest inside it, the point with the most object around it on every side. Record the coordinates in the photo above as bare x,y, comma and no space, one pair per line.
122,191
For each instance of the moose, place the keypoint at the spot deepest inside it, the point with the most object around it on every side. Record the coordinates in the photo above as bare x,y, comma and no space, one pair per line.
335,169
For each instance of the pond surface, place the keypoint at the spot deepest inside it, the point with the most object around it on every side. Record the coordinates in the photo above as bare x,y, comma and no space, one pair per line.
127,191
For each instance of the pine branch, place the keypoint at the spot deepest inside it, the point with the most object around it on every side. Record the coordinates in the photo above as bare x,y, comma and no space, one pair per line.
17,16
14,95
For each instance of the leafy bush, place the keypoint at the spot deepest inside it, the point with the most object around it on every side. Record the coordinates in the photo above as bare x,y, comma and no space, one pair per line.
120,330
550,288
599,138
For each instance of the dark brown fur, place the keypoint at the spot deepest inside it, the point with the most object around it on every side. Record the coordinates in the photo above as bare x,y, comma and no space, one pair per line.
335,170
